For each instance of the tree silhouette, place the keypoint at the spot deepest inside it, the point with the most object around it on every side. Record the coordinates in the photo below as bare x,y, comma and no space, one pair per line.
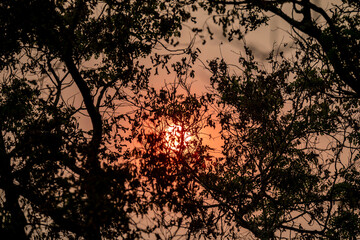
64,63
291,151
290,155
288,165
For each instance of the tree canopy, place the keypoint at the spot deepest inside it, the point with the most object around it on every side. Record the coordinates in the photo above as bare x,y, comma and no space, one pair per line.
91,150
290,154
61,60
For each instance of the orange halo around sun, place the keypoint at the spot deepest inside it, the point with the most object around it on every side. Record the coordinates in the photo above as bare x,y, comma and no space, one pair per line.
173,136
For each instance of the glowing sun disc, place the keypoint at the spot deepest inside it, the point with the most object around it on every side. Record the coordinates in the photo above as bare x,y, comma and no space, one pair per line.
174,135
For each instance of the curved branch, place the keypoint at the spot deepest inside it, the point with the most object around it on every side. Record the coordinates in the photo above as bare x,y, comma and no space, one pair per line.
94,113
300,230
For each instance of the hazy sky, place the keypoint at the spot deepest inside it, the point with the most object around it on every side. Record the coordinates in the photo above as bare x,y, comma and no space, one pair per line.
261,41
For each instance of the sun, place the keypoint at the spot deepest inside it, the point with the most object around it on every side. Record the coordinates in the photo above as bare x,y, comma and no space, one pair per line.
176,137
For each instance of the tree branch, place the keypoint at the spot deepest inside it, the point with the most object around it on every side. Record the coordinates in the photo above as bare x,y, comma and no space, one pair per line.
88,100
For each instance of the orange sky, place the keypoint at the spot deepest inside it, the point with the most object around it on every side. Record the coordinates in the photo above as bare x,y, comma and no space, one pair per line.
260,41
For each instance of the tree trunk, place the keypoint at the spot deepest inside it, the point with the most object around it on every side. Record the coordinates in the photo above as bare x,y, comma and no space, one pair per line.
17,221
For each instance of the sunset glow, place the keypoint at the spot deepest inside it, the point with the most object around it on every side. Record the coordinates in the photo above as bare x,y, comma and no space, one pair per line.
175,137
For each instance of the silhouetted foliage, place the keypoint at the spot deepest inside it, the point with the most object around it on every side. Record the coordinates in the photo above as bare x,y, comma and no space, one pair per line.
66,69
75,97
289,126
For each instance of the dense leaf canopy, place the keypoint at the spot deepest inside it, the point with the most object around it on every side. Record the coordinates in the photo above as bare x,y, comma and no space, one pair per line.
85,149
